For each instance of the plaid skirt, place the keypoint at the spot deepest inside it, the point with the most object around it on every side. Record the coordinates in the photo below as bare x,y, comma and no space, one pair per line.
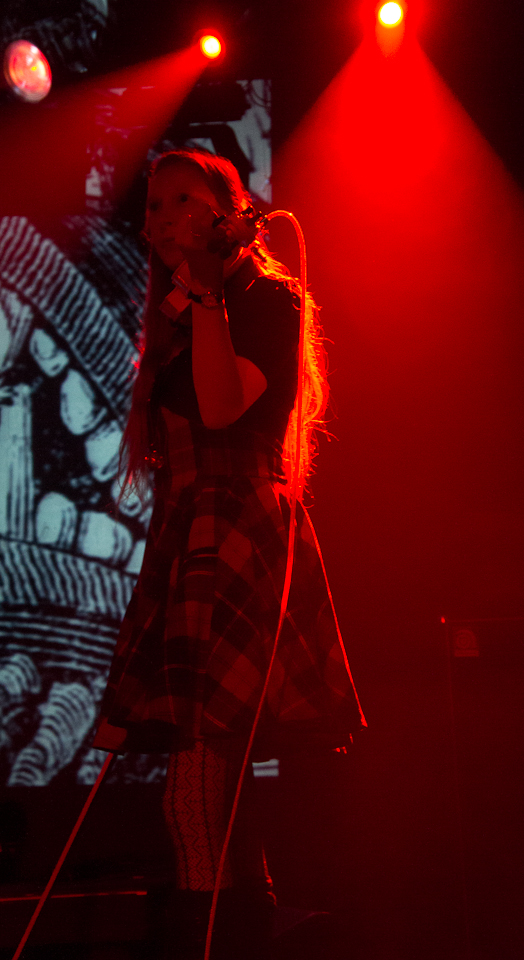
196,640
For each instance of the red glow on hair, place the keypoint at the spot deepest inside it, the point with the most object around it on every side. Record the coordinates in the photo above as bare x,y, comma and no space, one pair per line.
27,71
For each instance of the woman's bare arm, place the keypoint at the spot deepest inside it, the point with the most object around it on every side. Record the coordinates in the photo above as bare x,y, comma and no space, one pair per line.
225,385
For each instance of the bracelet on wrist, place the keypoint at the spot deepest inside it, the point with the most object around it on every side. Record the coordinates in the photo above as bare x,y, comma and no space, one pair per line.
209,299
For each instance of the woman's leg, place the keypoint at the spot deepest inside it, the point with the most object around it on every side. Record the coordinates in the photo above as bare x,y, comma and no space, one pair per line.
194,808
200,787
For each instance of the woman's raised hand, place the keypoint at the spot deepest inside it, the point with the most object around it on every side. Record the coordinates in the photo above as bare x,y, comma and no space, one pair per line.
194,229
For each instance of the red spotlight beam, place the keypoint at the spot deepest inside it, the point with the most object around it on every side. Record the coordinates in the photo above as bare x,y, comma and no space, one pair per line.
390,27
161,87
416,237
34,140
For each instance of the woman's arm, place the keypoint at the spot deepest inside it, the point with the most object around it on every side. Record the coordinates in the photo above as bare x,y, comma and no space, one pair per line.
225,385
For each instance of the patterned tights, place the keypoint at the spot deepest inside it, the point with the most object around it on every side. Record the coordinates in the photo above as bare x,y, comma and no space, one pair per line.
199,794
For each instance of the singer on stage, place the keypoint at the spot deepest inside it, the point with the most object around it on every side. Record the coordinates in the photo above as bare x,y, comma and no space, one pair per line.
212,418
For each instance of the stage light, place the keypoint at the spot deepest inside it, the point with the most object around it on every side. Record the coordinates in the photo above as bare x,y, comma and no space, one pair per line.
210,46
27,71
390,14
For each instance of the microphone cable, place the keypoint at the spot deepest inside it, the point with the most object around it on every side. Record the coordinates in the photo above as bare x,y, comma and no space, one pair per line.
289,566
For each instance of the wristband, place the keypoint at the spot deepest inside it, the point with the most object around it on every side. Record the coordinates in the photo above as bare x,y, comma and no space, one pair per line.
209,299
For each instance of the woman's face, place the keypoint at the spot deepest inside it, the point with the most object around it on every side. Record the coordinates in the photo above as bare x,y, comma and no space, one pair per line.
179,203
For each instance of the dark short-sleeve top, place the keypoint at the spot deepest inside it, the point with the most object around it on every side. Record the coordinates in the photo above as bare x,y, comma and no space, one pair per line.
264,325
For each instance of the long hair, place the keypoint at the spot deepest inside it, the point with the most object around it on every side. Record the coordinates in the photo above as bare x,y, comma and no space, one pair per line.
157,333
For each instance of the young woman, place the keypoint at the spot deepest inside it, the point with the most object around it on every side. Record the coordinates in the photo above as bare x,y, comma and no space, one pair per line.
212,412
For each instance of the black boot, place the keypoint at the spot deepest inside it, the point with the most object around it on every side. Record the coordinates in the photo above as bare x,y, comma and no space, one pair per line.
243,925
242,928
186,921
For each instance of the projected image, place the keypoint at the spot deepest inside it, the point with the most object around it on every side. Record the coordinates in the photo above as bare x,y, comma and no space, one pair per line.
70,303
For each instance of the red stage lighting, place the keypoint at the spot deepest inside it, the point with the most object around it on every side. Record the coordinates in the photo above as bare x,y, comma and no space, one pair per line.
210,46
27,71
390,14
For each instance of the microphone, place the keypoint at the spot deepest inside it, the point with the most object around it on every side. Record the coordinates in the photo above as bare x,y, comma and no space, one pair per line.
238,229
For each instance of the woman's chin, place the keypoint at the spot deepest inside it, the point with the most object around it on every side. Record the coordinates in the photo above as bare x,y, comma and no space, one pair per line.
170,255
